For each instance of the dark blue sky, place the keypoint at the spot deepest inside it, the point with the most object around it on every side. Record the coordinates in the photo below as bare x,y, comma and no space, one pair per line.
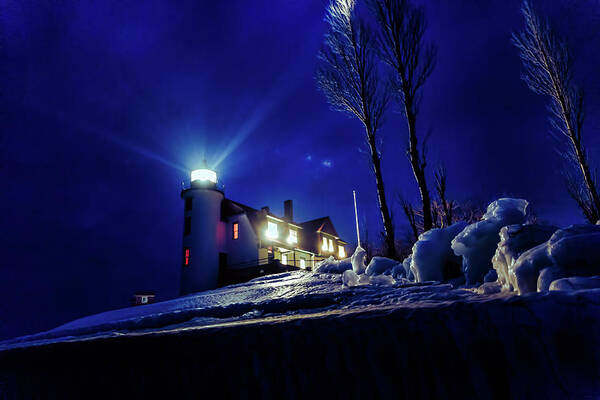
107,105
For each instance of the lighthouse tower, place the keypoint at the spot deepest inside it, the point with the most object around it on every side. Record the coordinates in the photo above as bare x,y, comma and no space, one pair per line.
202,232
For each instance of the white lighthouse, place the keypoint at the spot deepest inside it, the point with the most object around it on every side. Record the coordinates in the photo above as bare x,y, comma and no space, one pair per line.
203,233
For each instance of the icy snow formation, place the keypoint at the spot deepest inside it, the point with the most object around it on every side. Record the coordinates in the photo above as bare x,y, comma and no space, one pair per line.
477,242
514,241
572,251
358,260
333,266
576,283
432,255
380,265
403,270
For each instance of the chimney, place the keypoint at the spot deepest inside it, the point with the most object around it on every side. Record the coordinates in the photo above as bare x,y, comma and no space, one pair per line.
288,211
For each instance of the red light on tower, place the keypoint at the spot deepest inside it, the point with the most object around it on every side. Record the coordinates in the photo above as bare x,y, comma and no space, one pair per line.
186,260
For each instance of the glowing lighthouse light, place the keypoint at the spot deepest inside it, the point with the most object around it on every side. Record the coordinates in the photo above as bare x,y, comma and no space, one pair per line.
204,175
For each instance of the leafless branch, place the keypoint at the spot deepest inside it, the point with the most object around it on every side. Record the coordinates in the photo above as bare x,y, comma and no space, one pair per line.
548,71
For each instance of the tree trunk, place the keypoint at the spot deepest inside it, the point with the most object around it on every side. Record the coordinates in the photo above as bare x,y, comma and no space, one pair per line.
388,226
583,166
589,182
418,168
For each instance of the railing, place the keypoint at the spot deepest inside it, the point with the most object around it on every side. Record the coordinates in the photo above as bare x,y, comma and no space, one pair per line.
187,184
292,262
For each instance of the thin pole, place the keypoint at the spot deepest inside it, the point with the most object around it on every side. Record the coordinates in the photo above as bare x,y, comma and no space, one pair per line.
356,217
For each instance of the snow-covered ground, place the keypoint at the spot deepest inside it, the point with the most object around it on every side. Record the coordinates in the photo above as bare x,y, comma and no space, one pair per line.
300,334
286,294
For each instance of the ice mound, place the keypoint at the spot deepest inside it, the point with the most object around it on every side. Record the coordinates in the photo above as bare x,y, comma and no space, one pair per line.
332,266
432,256
514,241
477,242
378,272
380,265
358,260
572,251
349,278
576,283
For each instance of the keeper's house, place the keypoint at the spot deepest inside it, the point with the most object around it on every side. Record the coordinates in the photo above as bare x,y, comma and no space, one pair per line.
228,242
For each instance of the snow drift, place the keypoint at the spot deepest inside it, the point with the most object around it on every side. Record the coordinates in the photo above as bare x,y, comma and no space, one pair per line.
302,335
514,241
576,283
477,242
432,256
572,251
333,266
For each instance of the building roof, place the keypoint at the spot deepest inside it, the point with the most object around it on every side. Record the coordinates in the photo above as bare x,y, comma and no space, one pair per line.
322,224
230,208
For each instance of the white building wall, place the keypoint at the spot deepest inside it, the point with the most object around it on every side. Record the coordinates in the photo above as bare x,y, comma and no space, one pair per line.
241,252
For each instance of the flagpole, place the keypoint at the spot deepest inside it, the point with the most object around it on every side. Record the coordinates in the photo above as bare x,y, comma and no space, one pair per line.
356,217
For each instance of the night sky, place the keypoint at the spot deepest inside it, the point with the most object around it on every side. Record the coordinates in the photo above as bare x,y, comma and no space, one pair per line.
106,106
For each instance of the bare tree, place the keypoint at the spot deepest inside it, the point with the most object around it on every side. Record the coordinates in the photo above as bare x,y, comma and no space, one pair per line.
402,26
409,212
347,74
446,206
548,71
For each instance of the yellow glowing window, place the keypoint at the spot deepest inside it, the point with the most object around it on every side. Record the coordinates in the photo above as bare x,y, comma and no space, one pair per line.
342,251
293,238
330,245
236,231
272,230
284,259
324,247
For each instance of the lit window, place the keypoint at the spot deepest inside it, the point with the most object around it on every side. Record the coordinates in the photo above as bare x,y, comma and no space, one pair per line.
293,238
342,251
330,245
188,226
284,259
236,231
302,263
324,247
144,299
272,230
186,257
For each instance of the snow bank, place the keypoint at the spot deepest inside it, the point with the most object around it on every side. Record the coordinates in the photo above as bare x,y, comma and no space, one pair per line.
349,278
358,260
432,256
572,251
514,241
576,283
416,342
380,265
332,266
378,272
477,242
